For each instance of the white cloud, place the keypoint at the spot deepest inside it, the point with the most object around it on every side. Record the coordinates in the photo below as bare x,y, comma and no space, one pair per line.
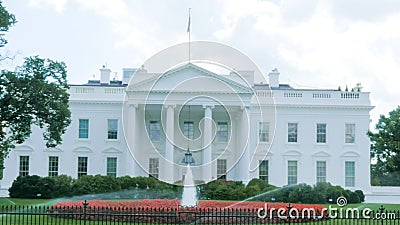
58,5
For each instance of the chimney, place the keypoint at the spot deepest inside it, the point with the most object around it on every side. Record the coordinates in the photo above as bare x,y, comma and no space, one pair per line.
105,75
274,78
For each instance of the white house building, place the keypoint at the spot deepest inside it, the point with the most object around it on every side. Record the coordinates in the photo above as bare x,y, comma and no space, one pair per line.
118,129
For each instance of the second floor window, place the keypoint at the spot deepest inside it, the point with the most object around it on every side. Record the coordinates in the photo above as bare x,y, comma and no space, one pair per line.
321,132
83,128
292,132
350,133
155,131
263,131
222,132
188,129
112,130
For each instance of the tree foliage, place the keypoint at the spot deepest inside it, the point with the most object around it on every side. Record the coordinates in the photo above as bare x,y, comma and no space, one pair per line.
33,94
6,21
36,93
385,148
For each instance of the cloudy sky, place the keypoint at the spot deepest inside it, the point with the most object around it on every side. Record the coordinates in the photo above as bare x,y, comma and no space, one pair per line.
314,44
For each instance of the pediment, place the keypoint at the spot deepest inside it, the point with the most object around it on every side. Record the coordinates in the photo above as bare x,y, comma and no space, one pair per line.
293,153
321,154
53,150
350,154
82,149
24,148
190,78
111,150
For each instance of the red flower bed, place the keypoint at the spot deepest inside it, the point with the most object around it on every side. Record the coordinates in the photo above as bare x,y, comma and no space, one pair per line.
170,211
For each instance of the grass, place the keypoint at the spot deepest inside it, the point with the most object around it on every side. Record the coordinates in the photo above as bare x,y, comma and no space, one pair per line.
23,201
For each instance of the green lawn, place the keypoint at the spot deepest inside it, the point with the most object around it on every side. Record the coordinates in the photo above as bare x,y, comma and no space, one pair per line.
23,202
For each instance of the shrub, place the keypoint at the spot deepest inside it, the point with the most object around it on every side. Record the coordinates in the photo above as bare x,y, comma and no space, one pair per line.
32,187
62,186
257,182
361,195
94,185
353,197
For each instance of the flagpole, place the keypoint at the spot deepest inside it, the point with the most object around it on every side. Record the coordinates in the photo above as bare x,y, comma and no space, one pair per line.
188,30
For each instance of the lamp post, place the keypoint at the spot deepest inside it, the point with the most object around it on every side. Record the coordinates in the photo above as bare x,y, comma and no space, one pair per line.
188,158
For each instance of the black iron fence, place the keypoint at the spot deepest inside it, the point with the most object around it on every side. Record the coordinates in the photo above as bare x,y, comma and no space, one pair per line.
85,215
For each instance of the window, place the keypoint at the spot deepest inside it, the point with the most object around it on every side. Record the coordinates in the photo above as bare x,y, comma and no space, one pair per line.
321,171
263,170
23,166
155,131
221,169
112,130
112,166
82,166
292,132
263,131
222,132
84,128
321,132
188,129
350,174
53,166
350,133
153,167
292,172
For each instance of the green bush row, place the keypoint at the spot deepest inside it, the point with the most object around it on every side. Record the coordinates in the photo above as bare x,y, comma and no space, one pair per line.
149,187
65,186
258,190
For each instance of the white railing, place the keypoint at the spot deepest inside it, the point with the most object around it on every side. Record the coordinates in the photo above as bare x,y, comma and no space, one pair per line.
316,97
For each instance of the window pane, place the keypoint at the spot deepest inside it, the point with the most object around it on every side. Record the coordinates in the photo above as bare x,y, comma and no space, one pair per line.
83,128
292,132
263,170
188,129
292,172
155,131
153,167
112,166
222,132
112,131
350,174
82,166
221,169
350,133
53,166
24,165
263,132
321,171
321,133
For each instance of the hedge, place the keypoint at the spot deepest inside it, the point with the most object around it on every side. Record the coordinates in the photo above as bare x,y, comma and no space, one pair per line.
149,187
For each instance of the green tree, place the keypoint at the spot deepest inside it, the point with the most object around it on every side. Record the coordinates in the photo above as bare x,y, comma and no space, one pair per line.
33,94
6,21
385,148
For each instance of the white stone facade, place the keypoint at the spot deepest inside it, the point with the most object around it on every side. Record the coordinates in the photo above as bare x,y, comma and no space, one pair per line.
315,135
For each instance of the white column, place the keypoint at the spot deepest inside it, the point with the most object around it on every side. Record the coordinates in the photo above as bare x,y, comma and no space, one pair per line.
207,145
132,132
168,170
244,162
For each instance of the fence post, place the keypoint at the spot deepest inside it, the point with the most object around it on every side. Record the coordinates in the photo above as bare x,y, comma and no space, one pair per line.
85,206
289,207
381,209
